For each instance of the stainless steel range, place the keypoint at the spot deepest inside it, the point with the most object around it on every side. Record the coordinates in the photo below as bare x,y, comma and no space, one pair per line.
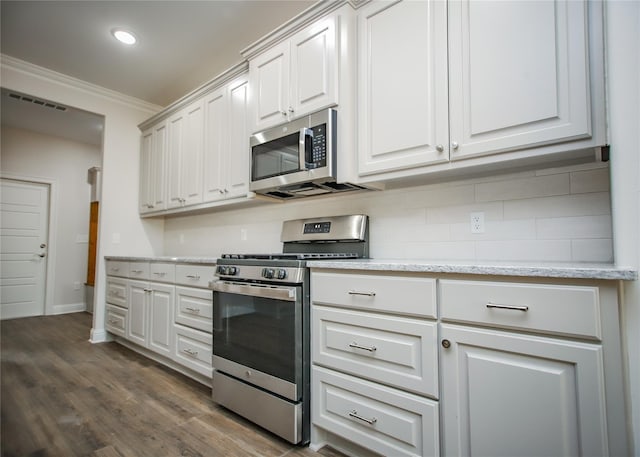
261,323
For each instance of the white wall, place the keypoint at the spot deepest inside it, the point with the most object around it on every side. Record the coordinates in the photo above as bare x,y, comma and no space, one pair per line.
623,63
33,155
121,230
561,214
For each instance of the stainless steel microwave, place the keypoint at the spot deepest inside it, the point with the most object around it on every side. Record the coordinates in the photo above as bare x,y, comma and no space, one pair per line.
297,158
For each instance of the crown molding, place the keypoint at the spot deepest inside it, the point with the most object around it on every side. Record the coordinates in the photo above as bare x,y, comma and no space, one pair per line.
223,78
308,16
42,73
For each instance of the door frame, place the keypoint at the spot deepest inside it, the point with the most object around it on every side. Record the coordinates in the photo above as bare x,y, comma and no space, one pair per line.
49,280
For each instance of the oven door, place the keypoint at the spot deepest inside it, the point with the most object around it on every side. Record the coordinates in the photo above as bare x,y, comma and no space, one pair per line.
257,335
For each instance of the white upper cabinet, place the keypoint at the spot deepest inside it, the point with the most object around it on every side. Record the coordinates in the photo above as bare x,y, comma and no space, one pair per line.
295,77
402,85
518,75
443,84
153,165
226,157
186,145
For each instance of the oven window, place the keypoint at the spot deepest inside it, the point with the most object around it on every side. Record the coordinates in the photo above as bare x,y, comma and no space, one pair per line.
260,333
275,157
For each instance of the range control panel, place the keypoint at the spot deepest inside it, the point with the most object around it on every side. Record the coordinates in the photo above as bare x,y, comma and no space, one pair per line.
317,227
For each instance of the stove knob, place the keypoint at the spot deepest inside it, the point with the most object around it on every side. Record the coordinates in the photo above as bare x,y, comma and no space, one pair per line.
267,273
220,270
232,271
281,274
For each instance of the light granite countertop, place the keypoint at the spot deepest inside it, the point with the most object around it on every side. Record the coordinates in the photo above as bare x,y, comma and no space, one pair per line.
528,269
523,269
164,259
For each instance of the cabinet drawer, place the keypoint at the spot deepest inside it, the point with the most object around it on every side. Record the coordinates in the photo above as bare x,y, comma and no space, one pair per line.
117,292
193,349
393,293
393,350
139,270
195,275
162,272
553,309
194,308
385,420
118,268
116,320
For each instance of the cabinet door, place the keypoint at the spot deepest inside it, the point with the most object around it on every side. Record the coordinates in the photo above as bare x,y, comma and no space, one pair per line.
314,69
236,157
518,74
176,127
137,315
270,86
192,154
216,133
145,195
513,395
158,177
161,301
402,85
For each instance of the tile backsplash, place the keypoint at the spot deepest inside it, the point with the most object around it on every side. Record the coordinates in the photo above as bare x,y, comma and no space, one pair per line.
559,214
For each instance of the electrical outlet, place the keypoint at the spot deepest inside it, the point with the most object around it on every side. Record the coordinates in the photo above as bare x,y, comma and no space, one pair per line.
76,285
477,222
243,234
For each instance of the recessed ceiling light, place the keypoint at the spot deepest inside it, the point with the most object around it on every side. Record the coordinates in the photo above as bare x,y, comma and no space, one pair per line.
124,36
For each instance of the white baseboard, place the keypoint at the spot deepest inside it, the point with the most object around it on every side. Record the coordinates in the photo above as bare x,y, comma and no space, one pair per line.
99,335
68,308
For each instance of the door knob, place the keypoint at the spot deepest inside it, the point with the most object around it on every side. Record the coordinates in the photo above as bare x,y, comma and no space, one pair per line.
42,254
43,245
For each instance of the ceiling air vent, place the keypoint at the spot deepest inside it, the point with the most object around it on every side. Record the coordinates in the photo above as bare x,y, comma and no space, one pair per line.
37,101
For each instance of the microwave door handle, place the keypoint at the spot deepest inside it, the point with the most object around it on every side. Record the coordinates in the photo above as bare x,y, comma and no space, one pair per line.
302,147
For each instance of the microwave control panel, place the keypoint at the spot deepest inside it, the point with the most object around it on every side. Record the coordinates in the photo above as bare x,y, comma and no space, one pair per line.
317,153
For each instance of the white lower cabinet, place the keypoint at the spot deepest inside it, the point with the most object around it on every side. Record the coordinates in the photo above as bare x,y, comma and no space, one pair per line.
416,364
193,349
151,315
375,362
379,418
163,316
507,394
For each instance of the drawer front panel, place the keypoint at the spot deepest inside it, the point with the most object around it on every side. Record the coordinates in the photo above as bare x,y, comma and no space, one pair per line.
385,420
117,292
553,309
139,270
162,272
195,275
116,320
193,349
194,308
397,351
402,294
118,268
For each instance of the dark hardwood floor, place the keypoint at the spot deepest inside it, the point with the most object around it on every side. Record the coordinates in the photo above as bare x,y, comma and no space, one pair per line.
63,396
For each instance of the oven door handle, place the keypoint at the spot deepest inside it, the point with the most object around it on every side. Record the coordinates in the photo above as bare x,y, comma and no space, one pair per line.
255,290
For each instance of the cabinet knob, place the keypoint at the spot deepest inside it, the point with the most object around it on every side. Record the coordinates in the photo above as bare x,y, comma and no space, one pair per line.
290,109
454,145
284,113
446,344
439,148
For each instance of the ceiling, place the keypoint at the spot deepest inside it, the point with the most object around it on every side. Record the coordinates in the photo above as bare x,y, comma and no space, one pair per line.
182,44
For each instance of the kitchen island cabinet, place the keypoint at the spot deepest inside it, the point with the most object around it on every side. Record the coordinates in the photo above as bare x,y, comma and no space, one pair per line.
526,360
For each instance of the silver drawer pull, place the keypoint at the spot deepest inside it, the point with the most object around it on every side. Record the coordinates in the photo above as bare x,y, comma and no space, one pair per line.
366,348
136,271
115,269
511,307
159,273
190,352
366,294
113,321
196,277
355,415
192,310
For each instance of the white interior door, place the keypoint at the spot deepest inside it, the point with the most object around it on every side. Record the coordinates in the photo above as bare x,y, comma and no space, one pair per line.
24,222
